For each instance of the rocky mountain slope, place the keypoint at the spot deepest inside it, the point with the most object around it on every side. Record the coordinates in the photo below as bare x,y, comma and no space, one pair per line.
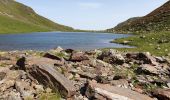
83,75
16,17
158,20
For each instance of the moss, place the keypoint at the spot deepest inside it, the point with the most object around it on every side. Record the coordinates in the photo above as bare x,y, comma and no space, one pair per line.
50,96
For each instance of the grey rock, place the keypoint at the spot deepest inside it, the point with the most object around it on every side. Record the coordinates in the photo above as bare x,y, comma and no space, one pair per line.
146,58
148,69
112,57
24,88
42,70
107,92
14,96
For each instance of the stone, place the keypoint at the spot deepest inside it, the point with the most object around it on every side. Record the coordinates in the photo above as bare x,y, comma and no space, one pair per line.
14,96
120,83
78,56
2,75
102,63
39,88
162,94
168,84
108,92
87,75
24,88
139,90
9,79
161,60
112,57
58,49
6,84
147,69
145,57
51,56
69,50
48,90
42,70
102,79
69,76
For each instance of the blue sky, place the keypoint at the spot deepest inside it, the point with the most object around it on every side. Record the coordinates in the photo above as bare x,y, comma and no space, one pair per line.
92,14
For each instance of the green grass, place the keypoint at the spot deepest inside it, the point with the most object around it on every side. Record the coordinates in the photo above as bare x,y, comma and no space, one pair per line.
50,96
155,43
18,18
8,25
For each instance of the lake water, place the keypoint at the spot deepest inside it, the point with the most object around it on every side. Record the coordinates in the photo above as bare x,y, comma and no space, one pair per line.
50,40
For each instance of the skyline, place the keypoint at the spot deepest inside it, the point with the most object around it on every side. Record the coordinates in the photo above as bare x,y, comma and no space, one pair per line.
92,15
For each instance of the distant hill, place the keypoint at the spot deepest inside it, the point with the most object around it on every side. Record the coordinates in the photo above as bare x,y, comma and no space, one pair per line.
17,18
158,20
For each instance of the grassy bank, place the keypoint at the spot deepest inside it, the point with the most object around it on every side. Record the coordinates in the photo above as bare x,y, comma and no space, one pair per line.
155,43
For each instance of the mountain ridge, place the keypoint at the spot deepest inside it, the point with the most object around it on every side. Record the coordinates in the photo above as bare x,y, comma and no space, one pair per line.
157,20
17,18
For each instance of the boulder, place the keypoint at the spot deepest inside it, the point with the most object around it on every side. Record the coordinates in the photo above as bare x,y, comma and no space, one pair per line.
8,78
24,88
107,92
112,57
147,69
51,56
42,70
78,56
161,60
146,58
13,96
162,94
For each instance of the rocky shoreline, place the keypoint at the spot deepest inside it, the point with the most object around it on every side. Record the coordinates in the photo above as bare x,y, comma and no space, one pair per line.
83,75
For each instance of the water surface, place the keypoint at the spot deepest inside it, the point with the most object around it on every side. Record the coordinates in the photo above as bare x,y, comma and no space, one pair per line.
50,40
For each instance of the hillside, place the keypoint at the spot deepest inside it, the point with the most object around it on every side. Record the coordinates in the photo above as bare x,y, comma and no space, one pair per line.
16,18
156,21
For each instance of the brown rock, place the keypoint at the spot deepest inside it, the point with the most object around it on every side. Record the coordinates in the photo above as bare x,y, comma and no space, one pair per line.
120,83
107,92
2,75
145,57
162,94
8,78
24,88
148,69
42,70
112,57
13,96
78,56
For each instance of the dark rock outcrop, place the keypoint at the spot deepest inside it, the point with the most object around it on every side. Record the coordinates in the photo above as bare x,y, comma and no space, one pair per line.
42,70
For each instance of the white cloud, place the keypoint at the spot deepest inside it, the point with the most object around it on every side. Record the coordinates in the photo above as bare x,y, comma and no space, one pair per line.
90,5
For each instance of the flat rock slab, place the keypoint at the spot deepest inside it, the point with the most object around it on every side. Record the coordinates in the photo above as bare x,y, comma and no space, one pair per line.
42,69
108,92
162,94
